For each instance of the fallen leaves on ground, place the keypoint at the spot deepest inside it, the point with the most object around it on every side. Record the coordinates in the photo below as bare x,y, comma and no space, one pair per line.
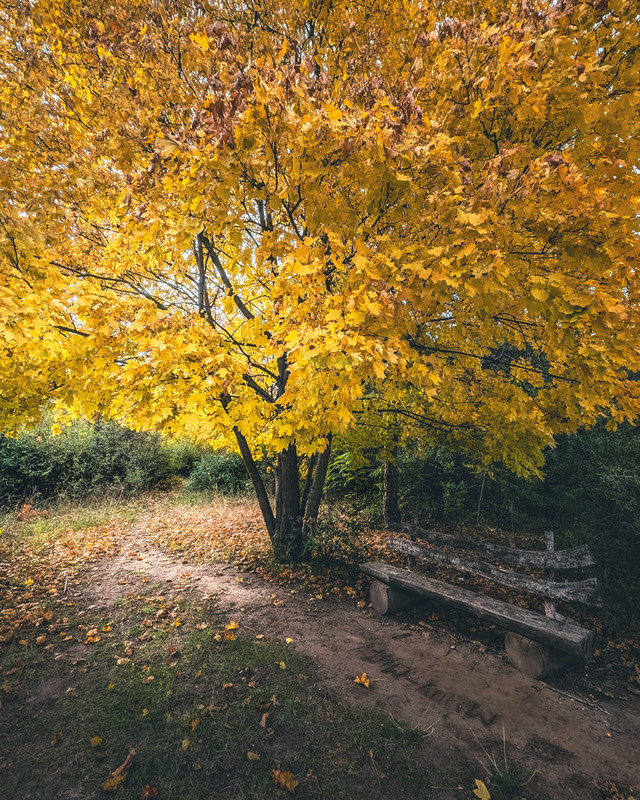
36,570
233,530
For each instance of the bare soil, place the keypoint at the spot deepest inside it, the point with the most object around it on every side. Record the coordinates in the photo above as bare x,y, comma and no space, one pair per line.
471,700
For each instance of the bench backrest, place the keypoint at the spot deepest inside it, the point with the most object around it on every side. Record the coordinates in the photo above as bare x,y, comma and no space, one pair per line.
583,591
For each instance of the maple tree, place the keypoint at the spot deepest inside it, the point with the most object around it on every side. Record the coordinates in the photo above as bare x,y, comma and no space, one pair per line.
263,223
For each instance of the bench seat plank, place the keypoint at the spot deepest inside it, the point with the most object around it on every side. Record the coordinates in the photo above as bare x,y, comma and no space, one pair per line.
564,635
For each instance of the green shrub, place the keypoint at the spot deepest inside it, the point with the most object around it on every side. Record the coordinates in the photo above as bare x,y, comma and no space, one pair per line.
357,477
84,459
218,471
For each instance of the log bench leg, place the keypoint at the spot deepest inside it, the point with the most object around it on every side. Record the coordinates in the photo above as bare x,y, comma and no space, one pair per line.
385,599
533,658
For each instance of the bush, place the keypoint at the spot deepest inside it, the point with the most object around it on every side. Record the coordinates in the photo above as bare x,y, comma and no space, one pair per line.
85,459
356,477
218,471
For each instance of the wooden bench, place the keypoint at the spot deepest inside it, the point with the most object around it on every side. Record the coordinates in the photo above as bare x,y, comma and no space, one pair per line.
537,643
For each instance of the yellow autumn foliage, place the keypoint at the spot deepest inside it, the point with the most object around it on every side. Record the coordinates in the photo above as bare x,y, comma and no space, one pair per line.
278,220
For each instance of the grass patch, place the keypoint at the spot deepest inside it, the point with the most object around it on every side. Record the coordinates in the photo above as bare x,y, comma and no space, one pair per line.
40,527
209,711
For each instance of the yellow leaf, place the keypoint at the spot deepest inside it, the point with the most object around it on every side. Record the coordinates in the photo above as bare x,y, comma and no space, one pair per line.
283,49
111,784
362,679
283,665
200,39
539,293
481,791
95,741
251,756
378,369
167,146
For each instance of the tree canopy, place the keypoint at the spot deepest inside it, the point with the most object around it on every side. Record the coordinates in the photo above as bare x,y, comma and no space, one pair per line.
267,222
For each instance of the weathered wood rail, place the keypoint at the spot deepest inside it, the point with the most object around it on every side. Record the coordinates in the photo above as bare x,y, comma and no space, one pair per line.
537,643
575,558
587,591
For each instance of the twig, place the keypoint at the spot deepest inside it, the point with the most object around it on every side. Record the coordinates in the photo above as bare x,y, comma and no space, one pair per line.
576,699
375,767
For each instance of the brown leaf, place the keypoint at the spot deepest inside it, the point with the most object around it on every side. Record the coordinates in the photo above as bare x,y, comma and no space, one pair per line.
285,779
119,774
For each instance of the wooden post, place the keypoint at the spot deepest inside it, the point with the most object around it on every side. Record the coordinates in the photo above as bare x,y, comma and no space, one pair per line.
549,575
411,561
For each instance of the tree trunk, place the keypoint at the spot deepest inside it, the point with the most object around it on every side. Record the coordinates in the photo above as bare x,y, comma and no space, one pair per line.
287,539
256,480
390,507
312,504
309,480
285,527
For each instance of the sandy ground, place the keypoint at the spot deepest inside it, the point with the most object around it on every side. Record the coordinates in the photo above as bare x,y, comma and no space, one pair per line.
469,700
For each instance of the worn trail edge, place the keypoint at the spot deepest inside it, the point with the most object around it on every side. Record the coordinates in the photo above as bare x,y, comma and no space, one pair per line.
467,699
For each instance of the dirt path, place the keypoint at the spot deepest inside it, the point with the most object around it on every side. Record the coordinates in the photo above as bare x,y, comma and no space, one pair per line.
465,697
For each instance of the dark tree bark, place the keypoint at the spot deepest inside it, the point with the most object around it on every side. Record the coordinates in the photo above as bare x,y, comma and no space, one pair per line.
390,507
309,480
287,539
258,484
312,505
